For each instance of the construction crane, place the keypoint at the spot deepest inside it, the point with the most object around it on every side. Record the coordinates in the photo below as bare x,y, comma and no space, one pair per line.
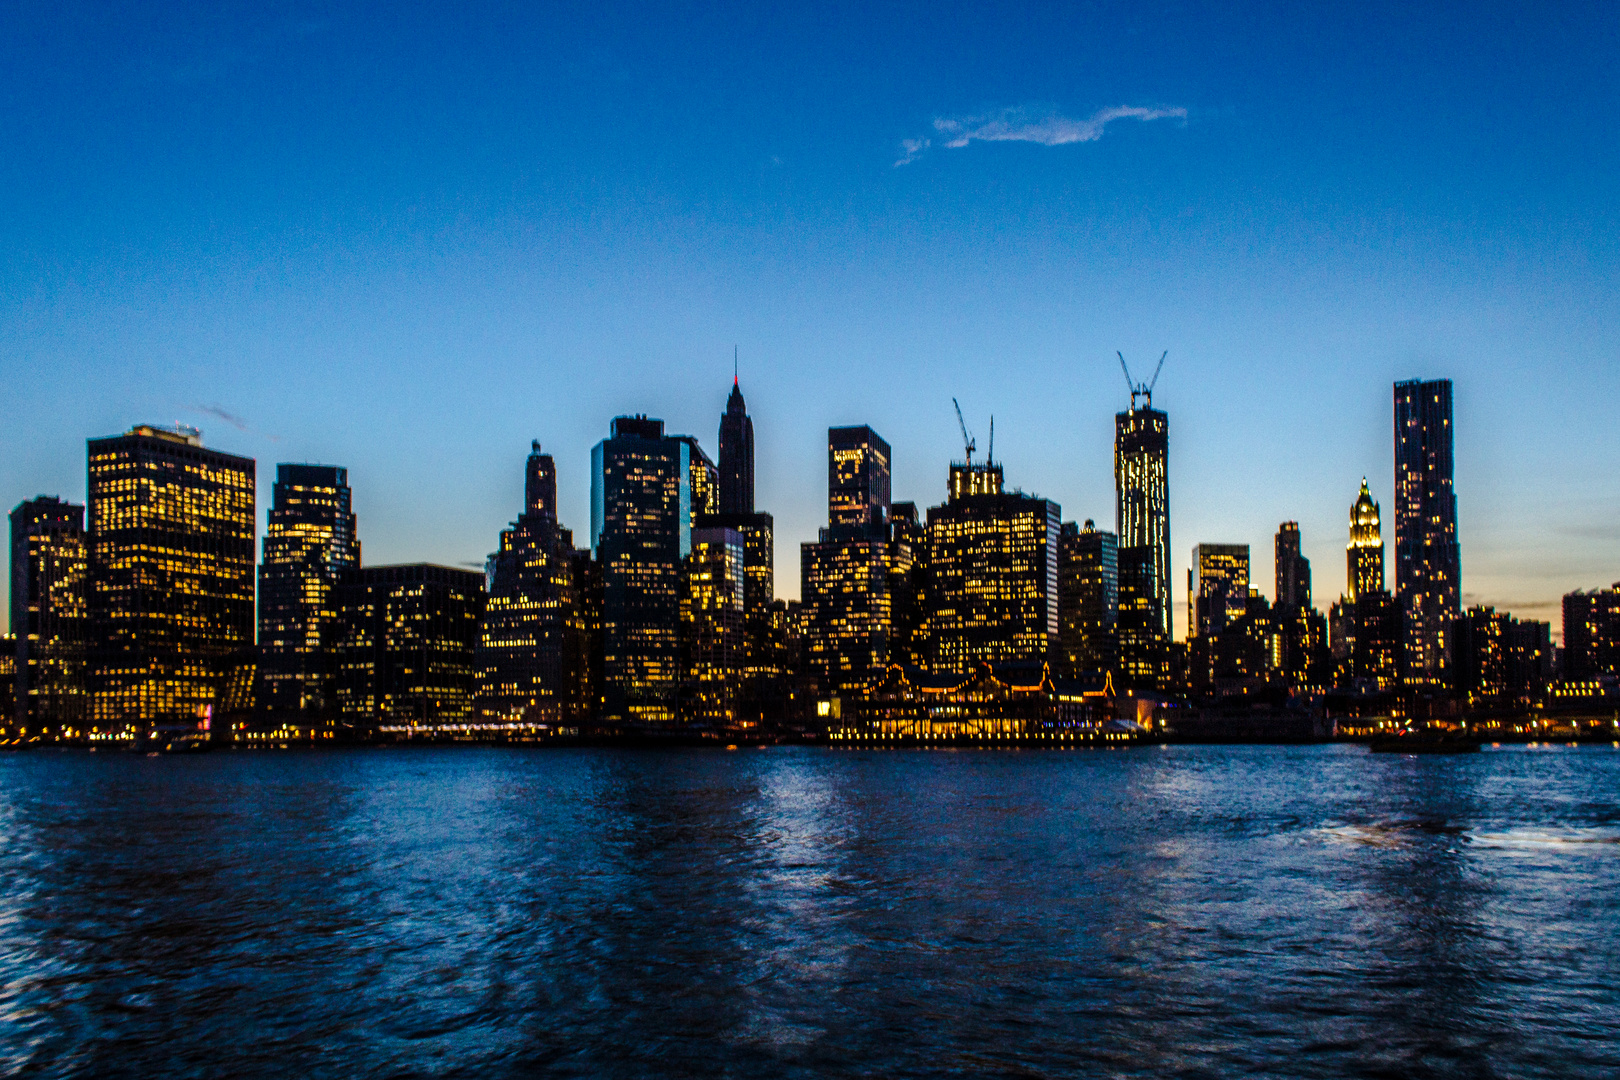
990,454
967,440
1142,390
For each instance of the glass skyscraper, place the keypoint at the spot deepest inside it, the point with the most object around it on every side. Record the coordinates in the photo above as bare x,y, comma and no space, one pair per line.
1428,571
171,527
1142,523
1088,599
309,540
641,531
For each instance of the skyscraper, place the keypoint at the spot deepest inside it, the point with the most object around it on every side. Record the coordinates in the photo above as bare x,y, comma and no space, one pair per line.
1142,521
1293,573
641,514
857,478
1364,555
993,572
736,511
736,455
1592,633
407,654
712,625
1428,570
1217,588
49,613
171,571
1088,599
309,540
531,638
845,574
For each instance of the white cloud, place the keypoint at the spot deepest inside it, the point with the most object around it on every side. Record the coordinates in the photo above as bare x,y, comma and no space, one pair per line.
1024,124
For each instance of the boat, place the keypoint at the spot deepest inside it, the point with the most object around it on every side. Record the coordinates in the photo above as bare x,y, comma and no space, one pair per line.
1425,741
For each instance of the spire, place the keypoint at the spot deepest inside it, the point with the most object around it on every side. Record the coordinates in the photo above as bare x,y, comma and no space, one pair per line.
734,367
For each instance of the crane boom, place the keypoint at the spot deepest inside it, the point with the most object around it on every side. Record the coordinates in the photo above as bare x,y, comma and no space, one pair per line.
1156,371
1130,385
967,440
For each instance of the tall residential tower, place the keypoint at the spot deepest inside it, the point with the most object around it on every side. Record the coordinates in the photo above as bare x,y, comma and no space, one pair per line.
1427,565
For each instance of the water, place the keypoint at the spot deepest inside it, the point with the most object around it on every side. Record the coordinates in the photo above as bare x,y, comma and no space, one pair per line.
1185,911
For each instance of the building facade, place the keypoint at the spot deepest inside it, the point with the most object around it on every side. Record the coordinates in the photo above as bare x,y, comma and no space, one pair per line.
993,574
736,455
1088,600
171,526
531,641
1293,570
1217,587
858,465
1591,634
1142,523
712,610
309,541
641,532
1428,572
49,614
408,651
1364,554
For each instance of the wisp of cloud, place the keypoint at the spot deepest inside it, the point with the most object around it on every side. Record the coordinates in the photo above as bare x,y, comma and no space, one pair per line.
1022,124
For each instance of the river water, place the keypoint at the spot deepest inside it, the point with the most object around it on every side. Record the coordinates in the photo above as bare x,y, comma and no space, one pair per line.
1181,911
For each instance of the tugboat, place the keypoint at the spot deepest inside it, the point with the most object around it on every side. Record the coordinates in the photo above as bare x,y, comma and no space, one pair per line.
1425,740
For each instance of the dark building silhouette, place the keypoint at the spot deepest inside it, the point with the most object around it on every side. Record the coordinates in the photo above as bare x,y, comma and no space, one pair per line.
712,638
1428,570
1591,634
641,528
845,574
1293,570
1142,522
532,640
908,586
1479,666
408,650
49,614
171,527
993,574
1088,600
309,540
736,456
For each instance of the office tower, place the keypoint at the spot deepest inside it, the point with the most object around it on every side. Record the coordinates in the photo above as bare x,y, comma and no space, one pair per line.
531,641
845,586
703,481
1529,652
1364,555
736,455
1088,599
1293,574
712,623
908,587
1591,634
1217,587
857,479
8,685
171,571
1378,640
993,574
641,514
1427,566
586,679
1479,666
1300,652
407,654
844,575
49,614
309,539
1142,522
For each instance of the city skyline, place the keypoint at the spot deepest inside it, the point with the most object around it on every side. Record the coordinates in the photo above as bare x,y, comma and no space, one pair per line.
315,242
787,546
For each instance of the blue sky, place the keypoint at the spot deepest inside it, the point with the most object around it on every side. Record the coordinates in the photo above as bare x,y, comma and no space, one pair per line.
408,240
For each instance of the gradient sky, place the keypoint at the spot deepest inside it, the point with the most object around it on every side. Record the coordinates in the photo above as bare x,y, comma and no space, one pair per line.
408,240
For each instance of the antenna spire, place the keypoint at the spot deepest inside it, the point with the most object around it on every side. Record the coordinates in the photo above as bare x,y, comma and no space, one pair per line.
734,365
990,454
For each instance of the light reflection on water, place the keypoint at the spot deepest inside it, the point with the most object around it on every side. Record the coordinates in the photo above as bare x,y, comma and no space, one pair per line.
1309,911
